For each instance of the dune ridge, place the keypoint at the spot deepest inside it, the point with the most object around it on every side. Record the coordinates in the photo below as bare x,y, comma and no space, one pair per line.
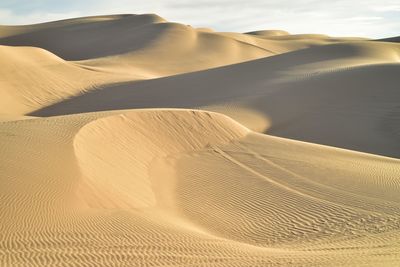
195,132
313,84
128,140
144,47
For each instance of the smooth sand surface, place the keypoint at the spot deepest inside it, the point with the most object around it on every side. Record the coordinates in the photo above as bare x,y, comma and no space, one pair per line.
128,140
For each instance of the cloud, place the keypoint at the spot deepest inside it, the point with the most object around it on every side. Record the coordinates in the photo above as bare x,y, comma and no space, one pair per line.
371,18
386,8
10,18
363,18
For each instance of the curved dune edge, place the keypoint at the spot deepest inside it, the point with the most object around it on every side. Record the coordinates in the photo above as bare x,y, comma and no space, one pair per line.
133,140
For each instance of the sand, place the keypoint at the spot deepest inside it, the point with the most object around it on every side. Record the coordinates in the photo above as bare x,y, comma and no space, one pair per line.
128,140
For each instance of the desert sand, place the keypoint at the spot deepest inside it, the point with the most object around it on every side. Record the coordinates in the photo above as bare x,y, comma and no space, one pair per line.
128,140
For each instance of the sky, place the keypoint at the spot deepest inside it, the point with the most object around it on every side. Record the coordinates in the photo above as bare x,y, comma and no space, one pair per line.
365,18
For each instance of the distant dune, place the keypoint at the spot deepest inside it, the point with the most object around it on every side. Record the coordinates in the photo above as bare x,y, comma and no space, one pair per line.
128,140
391,39
269,33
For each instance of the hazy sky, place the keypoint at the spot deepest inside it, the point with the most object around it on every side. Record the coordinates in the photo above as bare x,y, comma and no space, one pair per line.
379,18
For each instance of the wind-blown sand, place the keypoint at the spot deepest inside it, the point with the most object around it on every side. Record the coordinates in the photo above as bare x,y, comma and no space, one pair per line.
128,140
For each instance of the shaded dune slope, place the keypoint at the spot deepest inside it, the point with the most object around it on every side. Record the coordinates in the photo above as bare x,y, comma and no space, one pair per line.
148,44
109,196
146,41
81,38
357,79
117,48
395,39
268,33
102,36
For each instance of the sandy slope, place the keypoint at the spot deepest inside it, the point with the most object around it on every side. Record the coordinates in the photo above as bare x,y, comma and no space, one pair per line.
182,187
202,185
145,41
112,49
344,95
119,48
32,78
147,44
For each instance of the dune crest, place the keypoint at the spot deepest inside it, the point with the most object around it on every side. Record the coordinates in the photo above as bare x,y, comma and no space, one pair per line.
140,139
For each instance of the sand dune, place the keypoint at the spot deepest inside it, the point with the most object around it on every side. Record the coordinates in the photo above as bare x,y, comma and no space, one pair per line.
32,78
269,33
77,39
142,47
358,79
391,39
170,154
189,188
146,41
147,44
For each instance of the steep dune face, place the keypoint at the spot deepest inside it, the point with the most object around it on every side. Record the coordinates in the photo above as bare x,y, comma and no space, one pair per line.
141,138
188,187
312,84
81,38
